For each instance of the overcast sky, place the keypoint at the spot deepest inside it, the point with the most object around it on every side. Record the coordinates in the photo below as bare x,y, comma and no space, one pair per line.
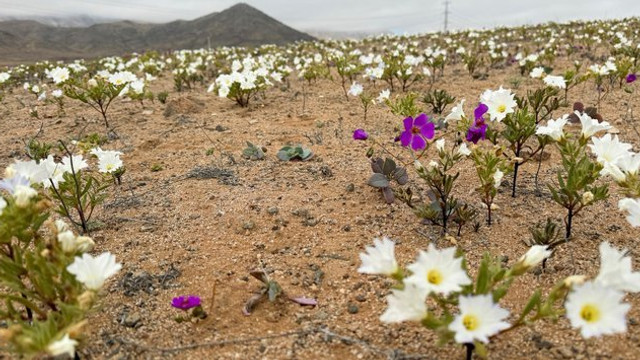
398,16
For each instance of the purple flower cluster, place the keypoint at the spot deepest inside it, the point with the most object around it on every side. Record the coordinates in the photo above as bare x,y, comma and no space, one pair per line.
417,131
185,302
631,78
478,130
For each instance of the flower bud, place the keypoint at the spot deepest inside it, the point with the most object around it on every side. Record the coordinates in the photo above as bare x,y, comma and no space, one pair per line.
67,241
84,244
85,300
574,280
92,83
587,197
533,257
370,152
418,165
75,330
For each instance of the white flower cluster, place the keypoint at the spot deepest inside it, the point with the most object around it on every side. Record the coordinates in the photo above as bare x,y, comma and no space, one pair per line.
594,307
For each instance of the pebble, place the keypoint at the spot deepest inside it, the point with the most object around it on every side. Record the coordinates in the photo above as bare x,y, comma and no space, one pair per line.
133,320
352,308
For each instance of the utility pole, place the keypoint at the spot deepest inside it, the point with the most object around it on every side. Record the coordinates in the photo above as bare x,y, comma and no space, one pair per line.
446,15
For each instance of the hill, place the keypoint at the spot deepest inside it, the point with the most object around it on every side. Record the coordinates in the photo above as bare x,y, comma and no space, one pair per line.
239,25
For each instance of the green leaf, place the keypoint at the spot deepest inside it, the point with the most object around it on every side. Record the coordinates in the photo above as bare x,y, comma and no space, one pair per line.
482,280
274,290
534,302
378,181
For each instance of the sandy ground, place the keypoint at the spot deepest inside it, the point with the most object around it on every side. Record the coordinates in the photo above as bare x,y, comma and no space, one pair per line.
305,222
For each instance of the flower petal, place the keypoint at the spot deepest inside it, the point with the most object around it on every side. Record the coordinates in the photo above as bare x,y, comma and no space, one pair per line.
418,143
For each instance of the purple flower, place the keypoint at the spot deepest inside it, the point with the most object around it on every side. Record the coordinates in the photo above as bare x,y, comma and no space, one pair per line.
480,111
360,134
416,131
11,183
478,130
185,302
631,78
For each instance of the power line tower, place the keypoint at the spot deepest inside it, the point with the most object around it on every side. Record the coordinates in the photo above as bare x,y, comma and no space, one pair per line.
446,15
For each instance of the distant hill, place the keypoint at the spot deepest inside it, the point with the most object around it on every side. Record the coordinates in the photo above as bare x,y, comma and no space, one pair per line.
67,21
239,25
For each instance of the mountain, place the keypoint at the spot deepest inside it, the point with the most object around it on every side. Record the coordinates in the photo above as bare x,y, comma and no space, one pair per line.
67,21
239,25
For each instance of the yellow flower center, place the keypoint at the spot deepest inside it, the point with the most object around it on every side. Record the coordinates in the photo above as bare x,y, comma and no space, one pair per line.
502,108
109,167
470,322
434,277
590,313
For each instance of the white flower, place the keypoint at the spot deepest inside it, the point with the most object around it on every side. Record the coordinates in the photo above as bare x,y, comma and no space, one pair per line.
596,310
537,72
457,112
356,89
609,150
93,271
535,255
3,204
223,91
554,128
629,163
23,194
479,319
108,161
591,126
122,78
4,77
440,144
63,346
616,271
380,258
59,75
407,304
632,206
67,241
137,86
500,103
555,81
57,93
61,225
497,178
54,172
464,150
78,163
438,271
384,95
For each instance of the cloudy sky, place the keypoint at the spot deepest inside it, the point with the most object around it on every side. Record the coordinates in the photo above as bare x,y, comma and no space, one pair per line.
341,15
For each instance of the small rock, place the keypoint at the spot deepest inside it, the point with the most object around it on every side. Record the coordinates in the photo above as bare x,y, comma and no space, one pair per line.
273,210
361,298
248,225
565,352
351,188
146,228
352,308
133,320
